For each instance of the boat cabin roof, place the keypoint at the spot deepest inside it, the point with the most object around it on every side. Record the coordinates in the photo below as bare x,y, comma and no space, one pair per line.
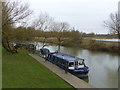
66,57
44,49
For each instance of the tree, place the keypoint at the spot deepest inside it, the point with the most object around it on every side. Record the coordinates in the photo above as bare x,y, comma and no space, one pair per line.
113,24
59,28
76,36
12,13
22,34
42,22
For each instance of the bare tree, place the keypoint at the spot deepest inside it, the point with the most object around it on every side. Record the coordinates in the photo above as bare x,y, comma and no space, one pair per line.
59,28
42,22
12,13
113,24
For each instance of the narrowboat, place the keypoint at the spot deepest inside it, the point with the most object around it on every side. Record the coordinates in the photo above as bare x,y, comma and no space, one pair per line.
44,52
74,65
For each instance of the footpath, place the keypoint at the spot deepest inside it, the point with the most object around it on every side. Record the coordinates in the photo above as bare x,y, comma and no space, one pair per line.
69,78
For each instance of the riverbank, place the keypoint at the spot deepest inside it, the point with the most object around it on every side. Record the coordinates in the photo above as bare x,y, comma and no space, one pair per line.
87,43
22,71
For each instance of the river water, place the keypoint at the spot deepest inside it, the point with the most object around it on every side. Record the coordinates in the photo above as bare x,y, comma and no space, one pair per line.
111,40
103,66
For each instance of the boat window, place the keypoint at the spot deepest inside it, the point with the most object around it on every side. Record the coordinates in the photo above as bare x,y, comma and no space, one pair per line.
56,59
49,56
71,64
63,62
80,62
60,61
53,58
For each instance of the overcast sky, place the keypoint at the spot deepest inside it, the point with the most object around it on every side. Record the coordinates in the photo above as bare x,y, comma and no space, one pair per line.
85,15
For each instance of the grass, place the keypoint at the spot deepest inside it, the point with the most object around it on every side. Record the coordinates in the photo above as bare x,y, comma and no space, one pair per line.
22,71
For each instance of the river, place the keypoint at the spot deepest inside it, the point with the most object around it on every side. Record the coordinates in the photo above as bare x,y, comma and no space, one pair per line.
110,40
103,66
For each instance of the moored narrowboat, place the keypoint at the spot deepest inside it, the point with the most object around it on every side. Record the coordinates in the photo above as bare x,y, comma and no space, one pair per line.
44,52
70,63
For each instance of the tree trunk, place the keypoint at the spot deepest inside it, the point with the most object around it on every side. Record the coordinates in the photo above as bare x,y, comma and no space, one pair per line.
5,43
8,44
118,32
118,36
44,41
59,43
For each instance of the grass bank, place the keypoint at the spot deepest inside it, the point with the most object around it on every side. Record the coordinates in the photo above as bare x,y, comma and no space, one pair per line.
22,71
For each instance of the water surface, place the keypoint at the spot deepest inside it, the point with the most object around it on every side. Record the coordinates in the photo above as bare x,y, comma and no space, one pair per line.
112,40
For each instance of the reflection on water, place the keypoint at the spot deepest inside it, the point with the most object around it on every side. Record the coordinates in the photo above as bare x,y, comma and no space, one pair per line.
103,66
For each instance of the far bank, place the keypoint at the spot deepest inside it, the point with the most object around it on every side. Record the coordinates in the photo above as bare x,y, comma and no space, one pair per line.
85,43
